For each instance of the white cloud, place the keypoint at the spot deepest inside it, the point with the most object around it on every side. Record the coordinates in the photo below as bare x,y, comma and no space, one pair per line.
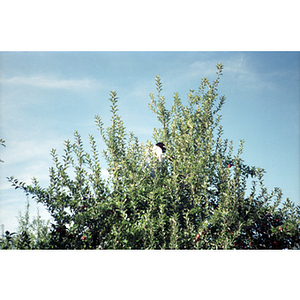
24,163
241,70
203,68
234,66
50,82
24,150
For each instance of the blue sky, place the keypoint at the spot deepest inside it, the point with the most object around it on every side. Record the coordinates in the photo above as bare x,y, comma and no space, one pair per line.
46,96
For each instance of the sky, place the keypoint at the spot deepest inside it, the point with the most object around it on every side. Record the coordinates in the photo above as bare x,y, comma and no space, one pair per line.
46,96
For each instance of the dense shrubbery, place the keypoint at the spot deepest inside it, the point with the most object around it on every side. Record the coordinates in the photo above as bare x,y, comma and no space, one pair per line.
196,200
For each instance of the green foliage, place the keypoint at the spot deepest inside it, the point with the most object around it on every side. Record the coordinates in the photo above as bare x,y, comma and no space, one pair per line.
196,199
30,235
2,143
7,240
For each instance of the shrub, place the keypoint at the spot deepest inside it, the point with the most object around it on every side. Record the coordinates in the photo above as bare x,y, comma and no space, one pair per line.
196,199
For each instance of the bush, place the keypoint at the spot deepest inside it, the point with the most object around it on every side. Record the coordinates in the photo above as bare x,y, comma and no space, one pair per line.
196,199
30,235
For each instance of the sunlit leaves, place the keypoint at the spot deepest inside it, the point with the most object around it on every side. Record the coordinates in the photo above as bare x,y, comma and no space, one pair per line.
197,198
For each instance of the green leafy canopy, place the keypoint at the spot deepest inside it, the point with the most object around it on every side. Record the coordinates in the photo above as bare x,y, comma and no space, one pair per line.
196,199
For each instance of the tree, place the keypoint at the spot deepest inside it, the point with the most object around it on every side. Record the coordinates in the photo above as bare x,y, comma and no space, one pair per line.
30,234
196,200
7,240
